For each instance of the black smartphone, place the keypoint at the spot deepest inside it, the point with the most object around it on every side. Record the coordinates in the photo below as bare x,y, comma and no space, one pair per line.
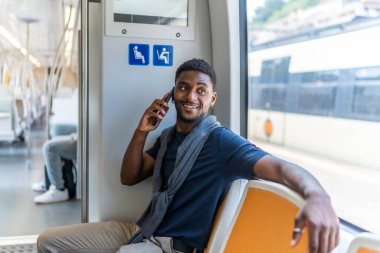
155,120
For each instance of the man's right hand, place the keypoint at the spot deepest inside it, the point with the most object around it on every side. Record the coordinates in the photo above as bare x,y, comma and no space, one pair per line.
157,110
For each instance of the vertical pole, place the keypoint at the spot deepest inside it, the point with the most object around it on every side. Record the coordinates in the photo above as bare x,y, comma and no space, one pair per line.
28,96
83,109
243,68
49,72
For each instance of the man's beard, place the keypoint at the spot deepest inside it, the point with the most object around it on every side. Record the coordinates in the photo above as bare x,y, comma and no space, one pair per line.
185,120
189,121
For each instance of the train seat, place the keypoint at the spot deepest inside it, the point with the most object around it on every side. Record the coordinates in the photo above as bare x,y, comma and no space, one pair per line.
65,114
365,243
10,121
265,214
225,215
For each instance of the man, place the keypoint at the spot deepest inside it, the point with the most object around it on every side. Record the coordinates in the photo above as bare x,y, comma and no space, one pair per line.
193,164
53,152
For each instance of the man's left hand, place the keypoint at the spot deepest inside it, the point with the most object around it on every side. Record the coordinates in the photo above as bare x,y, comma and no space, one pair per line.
322,223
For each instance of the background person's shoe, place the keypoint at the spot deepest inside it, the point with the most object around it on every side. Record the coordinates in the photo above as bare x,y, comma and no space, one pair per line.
52,195
39,187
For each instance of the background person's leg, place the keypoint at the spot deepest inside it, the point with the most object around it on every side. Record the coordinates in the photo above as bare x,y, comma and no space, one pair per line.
53,150
99,237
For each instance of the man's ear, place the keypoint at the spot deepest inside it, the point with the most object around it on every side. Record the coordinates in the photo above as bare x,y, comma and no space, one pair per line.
214,96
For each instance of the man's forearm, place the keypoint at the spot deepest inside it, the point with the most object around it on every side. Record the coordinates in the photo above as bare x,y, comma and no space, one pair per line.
301,181
132,166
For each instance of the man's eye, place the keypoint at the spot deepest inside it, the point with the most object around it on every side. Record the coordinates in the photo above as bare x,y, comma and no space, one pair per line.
201,91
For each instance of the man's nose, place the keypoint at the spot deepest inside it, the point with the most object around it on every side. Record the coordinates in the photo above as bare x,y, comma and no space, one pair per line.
191,95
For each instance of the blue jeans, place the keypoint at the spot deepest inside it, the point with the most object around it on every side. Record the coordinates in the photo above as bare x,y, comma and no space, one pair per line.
55,149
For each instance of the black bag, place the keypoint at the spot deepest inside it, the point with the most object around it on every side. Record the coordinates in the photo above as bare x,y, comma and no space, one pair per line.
69,173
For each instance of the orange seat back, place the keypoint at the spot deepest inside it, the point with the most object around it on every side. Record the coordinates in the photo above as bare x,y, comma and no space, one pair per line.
265,220
366,250
365,243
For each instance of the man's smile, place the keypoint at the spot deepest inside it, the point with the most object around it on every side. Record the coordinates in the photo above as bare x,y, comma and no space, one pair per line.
190,106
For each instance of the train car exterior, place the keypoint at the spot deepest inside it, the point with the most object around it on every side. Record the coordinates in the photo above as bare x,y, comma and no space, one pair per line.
322,89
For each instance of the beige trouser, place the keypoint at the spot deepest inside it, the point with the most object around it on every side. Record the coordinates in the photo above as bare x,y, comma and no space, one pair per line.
153,245
99,237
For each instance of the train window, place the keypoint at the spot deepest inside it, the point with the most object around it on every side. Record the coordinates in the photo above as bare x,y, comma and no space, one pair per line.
269,97
271,93
267,72
317,95
321,95
308,77
328,76
282,70
316,99
366,104
275,71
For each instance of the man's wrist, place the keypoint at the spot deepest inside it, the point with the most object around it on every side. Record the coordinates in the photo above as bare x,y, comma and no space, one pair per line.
317,195
141,132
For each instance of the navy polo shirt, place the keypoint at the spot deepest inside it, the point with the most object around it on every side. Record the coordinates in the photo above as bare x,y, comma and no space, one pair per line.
224,158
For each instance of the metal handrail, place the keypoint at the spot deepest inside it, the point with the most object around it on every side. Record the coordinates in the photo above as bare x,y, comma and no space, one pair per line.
56,73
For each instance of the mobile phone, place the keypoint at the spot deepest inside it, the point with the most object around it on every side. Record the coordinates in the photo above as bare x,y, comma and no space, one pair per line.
155,120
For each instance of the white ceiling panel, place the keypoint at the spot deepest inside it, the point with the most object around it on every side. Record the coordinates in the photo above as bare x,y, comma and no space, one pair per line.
44,34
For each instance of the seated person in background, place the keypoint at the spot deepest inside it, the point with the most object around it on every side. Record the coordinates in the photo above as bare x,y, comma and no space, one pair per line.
193,164
53,150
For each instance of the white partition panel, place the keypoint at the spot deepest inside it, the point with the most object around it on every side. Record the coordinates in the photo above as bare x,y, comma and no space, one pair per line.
118,95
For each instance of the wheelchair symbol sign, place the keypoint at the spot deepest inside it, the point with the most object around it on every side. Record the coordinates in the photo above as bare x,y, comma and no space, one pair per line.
162,55
138,54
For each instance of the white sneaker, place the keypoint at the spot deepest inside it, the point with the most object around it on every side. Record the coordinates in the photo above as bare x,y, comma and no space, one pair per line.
52,195
39,187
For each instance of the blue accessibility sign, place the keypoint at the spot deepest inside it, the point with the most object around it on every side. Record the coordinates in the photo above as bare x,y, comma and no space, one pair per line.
138,54
162,55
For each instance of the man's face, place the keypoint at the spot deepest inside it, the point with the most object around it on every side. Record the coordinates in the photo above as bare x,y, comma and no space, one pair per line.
193,96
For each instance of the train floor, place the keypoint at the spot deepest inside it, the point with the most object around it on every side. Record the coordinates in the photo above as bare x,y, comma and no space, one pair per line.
354,190
19,215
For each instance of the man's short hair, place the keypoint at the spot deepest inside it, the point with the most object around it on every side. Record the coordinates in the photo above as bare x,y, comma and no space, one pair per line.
197,65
